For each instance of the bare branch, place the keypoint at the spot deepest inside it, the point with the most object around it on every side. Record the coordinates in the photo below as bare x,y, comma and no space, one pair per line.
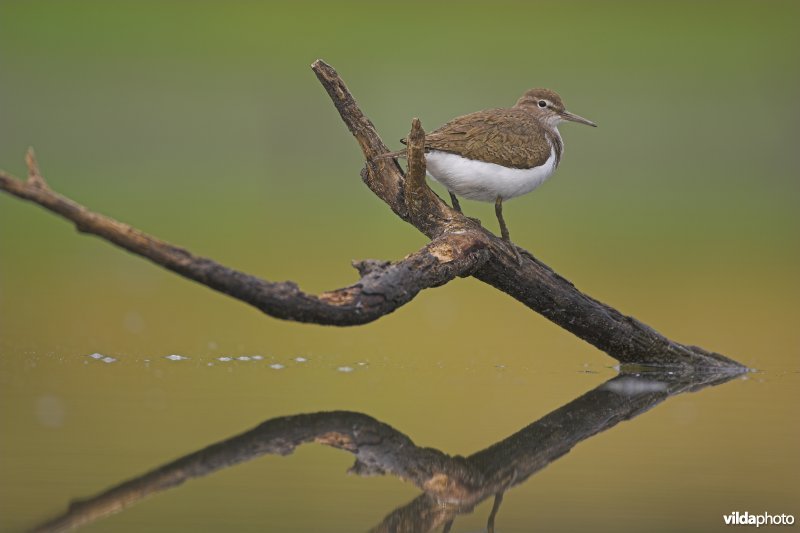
533,283
459,247
381,290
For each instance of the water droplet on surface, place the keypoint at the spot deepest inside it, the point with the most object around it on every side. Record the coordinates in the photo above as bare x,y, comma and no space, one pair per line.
257,357
224,359
101,357
300,359
176,357
243,358
345,369
276,366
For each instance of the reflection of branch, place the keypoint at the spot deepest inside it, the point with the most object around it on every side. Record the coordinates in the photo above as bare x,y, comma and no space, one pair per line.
450,485
513,460
459,247
378,448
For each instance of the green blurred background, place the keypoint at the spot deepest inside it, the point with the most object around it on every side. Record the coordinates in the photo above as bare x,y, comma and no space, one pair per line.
202,124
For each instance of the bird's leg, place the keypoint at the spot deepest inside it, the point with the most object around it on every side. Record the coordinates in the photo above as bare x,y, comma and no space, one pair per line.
448,526
498,499
454,200
457,207
498,210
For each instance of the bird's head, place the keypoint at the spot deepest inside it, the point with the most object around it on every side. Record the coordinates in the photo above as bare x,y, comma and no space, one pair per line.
547,105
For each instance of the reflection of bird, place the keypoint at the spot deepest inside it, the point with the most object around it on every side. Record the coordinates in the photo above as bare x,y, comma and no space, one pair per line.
497,154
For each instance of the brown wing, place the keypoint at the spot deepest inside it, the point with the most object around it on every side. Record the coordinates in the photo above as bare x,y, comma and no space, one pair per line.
508,137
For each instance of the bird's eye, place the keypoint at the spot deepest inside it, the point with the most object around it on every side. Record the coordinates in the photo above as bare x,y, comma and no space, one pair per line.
542,103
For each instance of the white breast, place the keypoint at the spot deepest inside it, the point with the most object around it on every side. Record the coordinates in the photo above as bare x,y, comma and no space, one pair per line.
478,180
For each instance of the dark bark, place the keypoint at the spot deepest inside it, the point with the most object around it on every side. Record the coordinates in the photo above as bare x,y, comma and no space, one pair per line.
383,287
459,247
531,282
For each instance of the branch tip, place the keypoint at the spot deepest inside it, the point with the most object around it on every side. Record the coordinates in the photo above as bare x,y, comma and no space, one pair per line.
34,175
416,155
320,67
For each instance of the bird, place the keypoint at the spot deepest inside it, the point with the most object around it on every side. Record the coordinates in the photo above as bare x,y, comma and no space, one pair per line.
498,154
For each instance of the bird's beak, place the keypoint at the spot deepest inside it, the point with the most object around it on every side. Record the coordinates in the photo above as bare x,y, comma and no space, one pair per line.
566,115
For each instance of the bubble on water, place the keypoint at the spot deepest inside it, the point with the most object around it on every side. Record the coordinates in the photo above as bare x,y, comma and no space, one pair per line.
300,359
176,357
257,357
100,357
363,363
276,366
243,358
345,369
224,359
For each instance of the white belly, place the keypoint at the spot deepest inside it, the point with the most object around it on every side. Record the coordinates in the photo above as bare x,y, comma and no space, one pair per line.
482,181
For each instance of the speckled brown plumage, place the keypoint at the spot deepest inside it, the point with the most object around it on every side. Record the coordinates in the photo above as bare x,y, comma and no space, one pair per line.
508,137
516,137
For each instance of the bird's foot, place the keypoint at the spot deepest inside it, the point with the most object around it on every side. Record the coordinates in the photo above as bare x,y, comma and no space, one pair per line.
514,251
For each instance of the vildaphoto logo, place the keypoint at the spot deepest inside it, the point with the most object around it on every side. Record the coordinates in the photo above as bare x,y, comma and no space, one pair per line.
765,519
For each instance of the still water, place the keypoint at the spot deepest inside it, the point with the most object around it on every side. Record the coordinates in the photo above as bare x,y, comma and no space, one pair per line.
204,126
76,425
